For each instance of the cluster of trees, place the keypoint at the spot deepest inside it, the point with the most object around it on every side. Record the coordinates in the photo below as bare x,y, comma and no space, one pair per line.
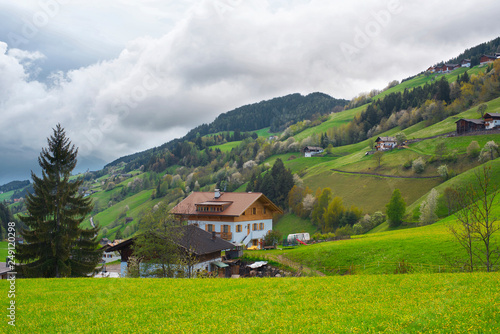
278,113
14,185
275,184
329,213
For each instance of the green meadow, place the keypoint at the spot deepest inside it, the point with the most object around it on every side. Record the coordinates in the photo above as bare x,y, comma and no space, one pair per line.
422,303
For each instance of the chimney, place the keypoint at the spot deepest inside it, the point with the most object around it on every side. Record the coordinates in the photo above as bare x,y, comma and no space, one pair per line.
217,193
213,236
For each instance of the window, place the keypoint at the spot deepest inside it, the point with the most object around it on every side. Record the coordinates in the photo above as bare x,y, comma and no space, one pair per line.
225,228
255,226
210,227
261,226
238,228
264,210
254,211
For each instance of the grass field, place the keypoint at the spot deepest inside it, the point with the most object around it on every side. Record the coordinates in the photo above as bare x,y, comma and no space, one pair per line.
291,223
424,303
227,147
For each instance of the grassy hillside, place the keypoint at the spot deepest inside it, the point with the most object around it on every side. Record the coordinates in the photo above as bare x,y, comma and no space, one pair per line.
428,248
448,125
423,78
351,304
334,120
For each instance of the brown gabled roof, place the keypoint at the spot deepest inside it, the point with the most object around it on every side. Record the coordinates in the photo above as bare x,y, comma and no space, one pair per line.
192,239
475,121
492,114
236,203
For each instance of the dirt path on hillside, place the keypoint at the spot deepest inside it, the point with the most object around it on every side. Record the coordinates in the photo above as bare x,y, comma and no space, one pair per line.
297,266
385,175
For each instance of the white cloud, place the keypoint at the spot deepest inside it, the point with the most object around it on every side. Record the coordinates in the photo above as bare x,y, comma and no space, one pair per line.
207,57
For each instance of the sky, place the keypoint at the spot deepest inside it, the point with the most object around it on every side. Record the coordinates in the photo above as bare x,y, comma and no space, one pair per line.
122,76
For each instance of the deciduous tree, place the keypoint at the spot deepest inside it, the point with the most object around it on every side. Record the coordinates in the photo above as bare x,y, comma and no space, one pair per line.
477,224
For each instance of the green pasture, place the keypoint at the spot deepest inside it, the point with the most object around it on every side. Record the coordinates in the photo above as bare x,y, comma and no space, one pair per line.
227,147
290,223
335,120
421,303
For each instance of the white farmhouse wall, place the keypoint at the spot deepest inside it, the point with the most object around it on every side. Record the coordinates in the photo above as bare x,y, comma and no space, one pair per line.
239,237
493,124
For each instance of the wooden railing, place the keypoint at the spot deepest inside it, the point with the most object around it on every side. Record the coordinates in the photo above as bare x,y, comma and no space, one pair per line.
226,235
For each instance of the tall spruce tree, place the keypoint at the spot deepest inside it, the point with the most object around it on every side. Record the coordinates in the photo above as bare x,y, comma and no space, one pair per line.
55,244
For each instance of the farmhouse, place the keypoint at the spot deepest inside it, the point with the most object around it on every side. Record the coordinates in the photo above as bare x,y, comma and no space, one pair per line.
491,120
465,63
241,218
309,151
205,246
450,67
486,59
467,125
385,143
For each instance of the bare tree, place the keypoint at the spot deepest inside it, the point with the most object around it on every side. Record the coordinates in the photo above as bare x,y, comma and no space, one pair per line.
481,110
477,225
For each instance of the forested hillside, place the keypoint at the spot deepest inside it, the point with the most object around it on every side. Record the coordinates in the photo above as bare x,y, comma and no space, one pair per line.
277,114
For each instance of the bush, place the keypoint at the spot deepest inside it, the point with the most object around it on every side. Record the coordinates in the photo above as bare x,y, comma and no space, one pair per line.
443,171
344,230
418,165
272,238
407,164
473,150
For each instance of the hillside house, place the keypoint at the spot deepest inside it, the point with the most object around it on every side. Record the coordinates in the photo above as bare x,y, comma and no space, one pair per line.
465,63
385,143
205,246
309,151
450,67
486,59
491,120
468,125
240,218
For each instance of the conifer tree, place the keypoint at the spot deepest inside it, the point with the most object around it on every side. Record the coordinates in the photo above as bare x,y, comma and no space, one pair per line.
54,243
396,209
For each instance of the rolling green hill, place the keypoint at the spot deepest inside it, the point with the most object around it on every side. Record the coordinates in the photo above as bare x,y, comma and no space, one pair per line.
425,249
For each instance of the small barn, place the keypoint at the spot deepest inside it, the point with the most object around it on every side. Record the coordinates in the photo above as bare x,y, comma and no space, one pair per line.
468,125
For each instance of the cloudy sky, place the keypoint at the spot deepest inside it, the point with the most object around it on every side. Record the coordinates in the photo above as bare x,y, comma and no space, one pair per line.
125,75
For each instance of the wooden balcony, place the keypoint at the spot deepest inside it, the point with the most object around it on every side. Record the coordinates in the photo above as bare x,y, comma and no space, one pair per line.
226,236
